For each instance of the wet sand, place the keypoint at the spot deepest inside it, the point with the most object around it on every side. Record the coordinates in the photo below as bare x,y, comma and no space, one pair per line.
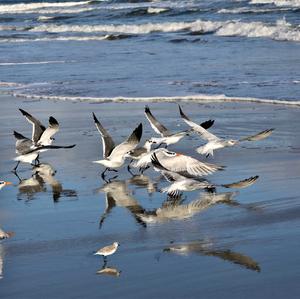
246,248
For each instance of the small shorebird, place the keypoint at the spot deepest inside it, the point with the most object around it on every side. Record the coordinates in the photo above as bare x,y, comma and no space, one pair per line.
182,164
167,137
114,156
107,250
4,183
5,235
28,152
215,142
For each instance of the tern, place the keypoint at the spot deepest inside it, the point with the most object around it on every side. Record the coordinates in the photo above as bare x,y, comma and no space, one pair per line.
40,134
5,235
181,183
4,183
28,152
114,156
214,142
182,164
137,154
167,137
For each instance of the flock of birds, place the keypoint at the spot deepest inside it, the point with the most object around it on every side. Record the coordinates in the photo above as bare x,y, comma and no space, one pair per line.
184,172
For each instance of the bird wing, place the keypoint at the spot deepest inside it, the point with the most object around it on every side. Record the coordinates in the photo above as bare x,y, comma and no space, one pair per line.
49,132
155,124
49,147
242,184
128,145
185,165
23,144
198,128
37,127
107,142
259,136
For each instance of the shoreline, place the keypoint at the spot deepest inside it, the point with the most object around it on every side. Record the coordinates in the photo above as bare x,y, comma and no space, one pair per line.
197,99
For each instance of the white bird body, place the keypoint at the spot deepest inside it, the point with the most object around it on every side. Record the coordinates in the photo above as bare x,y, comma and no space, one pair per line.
214,142
168,140
114,156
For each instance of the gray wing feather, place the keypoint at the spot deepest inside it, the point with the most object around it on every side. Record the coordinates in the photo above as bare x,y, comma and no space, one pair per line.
155,124
37,127
259,136
107,142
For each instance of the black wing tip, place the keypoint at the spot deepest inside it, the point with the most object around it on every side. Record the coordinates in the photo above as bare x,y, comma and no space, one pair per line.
53,121
23,111
147,109
207,124
138,131
95,118
155,162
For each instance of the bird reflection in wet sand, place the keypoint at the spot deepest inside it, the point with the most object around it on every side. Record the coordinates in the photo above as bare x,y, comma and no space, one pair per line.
118,194
43,174
175,210
143,181
110,271
208,249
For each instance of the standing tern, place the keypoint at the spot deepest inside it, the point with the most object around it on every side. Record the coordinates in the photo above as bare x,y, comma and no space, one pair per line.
114,156
167,137
215,142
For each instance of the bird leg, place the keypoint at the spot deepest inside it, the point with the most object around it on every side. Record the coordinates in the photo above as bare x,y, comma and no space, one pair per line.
145,168
129,169
103,174
15,169
37,160
104,261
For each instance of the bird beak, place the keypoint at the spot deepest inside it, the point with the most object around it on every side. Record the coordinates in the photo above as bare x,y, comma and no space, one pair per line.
8,183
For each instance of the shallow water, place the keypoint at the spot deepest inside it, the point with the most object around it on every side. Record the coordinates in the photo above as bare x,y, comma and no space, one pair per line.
160,49
244,248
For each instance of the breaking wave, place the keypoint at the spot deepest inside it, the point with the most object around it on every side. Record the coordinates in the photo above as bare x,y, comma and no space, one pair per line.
200,98
23,7
282,30
290,3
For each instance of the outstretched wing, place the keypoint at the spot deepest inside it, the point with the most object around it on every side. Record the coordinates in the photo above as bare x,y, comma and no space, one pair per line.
184,165
242,184
198,128
107,142
23,144
131,143
155,124
50,147
259,136
49,132
37,127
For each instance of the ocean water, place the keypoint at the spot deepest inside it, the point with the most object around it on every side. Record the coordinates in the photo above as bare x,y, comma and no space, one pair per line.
160,49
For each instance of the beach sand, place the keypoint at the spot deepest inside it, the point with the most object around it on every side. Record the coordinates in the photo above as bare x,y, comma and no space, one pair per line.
249,249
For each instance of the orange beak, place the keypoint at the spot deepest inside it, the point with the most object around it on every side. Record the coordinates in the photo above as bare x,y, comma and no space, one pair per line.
8,183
